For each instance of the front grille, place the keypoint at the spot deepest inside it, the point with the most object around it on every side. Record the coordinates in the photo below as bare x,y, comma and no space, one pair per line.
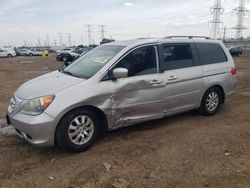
14,103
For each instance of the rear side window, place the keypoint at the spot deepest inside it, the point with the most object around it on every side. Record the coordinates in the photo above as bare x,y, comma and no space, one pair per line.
176,56
211,53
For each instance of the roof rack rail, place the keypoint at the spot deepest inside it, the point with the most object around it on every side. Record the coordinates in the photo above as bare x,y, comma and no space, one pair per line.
189,37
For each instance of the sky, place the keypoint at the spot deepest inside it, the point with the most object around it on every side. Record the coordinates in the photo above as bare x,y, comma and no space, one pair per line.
30,21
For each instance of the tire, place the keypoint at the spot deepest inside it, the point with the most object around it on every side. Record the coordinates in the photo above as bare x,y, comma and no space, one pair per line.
65,59
211,101
78,131
9,55
30,54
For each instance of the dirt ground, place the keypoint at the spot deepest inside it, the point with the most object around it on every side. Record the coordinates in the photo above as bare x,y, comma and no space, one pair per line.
186,150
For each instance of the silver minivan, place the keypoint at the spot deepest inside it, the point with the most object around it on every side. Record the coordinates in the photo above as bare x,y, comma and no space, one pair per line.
120,84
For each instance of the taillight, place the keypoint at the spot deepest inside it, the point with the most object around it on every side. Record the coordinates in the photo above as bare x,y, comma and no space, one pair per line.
233,70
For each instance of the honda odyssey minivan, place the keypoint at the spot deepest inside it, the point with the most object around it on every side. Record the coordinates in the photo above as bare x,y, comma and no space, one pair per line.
120,84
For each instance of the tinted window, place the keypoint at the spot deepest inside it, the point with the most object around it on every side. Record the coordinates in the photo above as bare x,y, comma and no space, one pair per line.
141,61
176,56
211,53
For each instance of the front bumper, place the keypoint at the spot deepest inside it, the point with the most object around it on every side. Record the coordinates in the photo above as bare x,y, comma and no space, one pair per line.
38,130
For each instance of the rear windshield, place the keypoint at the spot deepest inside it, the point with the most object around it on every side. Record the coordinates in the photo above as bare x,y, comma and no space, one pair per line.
91,62
211,53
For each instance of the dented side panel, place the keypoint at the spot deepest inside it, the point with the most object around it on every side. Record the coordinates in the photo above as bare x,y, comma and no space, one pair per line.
136,99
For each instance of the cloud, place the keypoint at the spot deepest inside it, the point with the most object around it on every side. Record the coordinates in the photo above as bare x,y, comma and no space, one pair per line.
16,30
128,4
8,5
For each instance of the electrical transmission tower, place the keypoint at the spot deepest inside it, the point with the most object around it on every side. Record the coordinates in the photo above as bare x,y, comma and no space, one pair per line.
241,11
102,31
47,38
89,33
69,38
224,33
217,11
39,42
60,39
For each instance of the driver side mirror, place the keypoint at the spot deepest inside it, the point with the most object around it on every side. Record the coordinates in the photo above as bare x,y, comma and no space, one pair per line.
120,73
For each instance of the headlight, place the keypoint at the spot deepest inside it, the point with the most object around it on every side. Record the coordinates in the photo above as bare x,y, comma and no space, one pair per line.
37,106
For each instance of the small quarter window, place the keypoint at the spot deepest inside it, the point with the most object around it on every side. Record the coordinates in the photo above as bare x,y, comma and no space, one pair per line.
211,53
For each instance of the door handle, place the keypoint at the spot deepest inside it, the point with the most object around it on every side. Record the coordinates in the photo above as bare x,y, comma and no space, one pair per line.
154,82
172,78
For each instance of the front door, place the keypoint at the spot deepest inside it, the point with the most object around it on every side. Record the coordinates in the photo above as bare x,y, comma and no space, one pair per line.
138,97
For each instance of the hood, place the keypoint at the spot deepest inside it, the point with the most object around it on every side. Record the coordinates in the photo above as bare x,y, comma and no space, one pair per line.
47,84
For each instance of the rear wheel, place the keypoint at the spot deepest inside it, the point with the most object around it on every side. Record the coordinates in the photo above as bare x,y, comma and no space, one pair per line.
211,101
77,131
9,55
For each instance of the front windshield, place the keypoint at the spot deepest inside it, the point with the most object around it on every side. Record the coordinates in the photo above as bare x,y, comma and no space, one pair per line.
90,63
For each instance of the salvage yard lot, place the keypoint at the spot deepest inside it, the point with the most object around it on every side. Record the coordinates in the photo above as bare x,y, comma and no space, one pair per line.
186,150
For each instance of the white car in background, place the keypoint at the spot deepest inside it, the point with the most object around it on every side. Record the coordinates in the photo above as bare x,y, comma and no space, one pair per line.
65,50
7,53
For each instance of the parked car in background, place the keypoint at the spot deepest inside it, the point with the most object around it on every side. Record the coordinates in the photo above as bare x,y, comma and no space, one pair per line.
29,52
106,40
70,56
65,57
23,52
7,53
236,51
39,52
65,50
120,84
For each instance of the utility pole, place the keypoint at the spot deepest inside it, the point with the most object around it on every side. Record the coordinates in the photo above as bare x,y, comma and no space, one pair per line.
82,39
217,11
60,39
47,38
69,38
102,31
89,33
55,43
224,33
241,11
39,42
25,43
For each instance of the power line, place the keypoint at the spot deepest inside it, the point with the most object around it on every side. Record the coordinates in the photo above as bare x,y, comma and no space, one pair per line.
102,30
89,33
241,11
217,11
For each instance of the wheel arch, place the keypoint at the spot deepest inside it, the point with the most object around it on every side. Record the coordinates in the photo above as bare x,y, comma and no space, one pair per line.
220,88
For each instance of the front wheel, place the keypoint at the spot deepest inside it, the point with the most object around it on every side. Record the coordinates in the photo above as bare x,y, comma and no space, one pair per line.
65,59
9,55
77,131
211,101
